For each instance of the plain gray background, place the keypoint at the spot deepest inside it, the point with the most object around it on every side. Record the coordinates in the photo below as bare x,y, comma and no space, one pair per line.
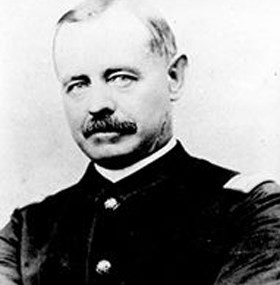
230,111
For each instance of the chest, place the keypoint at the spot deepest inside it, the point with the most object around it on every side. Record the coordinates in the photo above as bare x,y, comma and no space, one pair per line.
161,235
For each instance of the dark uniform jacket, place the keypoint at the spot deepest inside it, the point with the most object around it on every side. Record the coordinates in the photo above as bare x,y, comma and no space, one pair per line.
169,223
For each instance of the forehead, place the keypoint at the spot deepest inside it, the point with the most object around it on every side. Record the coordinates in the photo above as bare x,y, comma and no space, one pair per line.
117,36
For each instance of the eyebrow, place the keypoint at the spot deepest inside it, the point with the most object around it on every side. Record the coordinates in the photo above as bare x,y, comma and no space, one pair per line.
81,77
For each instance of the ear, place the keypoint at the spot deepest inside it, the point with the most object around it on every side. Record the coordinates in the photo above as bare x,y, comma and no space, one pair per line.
176,74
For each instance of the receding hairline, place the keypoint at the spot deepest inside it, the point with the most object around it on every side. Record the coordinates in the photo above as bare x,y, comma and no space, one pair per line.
93,8
86,9
162,38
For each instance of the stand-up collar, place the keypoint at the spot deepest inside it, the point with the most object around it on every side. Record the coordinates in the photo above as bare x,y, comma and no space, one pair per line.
171,164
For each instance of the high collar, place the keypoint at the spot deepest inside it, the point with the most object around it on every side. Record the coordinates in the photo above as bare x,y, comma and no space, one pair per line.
173,164
176,167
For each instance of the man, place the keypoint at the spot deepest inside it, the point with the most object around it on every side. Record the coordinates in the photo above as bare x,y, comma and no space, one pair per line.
145,212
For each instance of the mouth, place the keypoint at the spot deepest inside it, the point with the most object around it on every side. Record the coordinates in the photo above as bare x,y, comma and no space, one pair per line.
111,137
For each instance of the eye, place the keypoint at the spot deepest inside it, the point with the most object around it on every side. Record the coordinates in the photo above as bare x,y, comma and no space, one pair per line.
122,80
76,86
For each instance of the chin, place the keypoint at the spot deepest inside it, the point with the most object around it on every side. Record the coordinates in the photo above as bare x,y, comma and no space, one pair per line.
113,155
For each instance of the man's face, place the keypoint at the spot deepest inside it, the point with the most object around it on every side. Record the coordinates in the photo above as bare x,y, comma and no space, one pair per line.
115,91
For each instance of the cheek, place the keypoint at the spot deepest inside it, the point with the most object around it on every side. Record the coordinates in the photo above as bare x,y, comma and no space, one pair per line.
75,115
149,113
151,99
156,104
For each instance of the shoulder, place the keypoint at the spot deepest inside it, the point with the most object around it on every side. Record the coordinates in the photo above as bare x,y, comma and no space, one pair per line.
250,187
253,190
200,171
41,219
253,233
230,188
34,213
230,180
48,207
62,200
246,182
252,198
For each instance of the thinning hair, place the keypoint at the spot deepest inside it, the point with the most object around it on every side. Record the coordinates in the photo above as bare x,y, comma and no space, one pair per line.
162,41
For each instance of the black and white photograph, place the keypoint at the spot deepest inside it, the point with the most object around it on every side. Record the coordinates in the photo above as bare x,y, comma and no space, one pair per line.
140,142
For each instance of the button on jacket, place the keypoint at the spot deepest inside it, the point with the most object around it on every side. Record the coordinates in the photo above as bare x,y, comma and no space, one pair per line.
169,223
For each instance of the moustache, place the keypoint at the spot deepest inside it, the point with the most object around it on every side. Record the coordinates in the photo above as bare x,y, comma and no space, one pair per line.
109,124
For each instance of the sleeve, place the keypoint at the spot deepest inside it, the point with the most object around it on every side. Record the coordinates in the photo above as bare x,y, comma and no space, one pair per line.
10,252
253,258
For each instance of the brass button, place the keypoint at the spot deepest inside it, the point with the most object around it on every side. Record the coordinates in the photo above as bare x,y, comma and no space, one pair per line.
111,204
103,266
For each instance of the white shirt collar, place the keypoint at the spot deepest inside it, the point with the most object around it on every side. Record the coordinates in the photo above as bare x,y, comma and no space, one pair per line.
118,174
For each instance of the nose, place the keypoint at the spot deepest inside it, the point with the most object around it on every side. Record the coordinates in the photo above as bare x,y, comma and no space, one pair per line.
101,102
